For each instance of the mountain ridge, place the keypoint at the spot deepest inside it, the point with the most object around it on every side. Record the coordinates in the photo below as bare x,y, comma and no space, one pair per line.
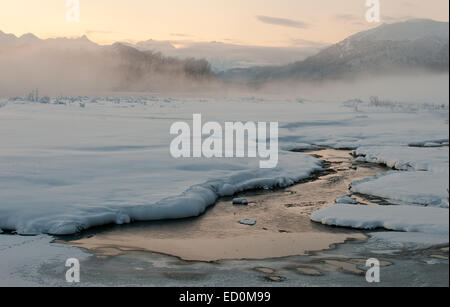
386,49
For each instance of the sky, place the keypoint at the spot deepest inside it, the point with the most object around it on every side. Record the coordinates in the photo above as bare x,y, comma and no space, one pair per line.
243,22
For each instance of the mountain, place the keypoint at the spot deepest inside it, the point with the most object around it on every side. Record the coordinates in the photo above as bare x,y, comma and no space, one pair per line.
11,39
73,65
224,56
404,47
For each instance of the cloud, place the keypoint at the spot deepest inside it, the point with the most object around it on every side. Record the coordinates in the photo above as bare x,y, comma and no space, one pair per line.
284,22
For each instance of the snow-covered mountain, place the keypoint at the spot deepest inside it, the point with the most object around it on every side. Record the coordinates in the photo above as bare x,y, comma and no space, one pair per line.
417,44
30,41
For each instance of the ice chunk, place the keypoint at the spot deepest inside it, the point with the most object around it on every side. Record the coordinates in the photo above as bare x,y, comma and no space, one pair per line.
248,222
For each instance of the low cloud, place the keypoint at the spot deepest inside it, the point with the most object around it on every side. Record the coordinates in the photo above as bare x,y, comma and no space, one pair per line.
284,22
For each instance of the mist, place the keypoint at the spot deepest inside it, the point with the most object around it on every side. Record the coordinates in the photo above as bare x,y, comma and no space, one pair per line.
58,68
79,67
418,87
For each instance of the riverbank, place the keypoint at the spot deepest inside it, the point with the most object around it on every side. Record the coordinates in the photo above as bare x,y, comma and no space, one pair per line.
283,227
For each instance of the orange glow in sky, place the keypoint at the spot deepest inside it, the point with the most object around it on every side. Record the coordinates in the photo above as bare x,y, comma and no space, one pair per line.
251,22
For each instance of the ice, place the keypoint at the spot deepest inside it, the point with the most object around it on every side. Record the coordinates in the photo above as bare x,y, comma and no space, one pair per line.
64,168
422,181
410,240
119,197
406,158
425,181
248,222
24,257
413,188
432,221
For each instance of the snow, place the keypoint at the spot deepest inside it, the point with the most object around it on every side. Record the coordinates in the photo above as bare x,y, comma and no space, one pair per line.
413,188
406,158
64,168
419,187
113,196
425,181
412,29
396,218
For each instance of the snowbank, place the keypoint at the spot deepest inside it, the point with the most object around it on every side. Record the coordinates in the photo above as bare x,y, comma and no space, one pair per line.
397,218
422,181
409,188
60,213
406,158
425,181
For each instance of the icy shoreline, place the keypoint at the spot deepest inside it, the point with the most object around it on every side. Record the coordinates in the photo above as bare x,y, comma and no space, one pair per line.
68,165
419,187
192,202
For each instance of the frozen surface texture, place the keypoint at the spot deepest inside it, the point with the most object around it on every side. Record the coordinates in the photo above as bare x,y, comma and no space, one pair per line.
74,163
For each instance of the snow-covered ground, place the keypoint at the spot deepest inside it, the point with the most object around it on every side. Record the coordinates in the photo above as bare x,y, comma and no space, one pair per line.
75,163
406,158
418,185
398,218
410,188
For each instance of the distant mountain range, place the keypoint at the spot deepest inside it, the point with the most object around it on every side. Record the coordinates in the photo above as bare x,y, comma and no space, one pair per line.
62,65
221,56
225,56
388,49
